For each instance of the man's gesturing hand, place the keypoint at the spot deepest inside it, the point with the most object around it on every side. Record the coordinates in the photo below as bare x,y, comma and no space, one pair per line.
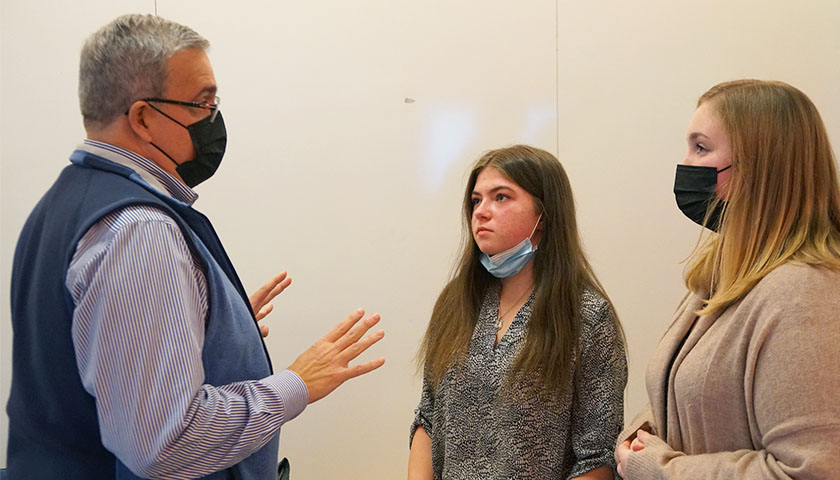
261,298
324,366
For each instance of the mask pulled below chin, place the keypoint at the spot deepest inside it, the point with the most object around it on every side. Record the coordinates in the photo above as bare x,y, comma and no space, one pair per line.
511,261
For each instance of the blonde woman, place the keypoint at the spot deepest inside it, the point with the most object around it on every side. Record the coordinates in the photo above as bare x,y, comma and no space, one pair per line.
746,380
523,357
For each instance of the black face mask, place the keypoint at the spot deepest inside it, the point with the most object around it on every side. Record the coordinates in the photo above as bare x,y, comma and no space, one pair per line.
209,140
694,189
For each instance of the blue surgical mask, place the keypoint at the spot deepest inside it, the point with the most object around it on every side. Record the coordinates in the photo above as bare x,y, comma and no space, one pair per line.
511,261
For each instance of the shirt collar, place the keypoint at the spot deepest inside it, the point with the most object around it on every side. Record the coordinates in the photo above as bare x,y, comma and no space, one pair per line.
148,170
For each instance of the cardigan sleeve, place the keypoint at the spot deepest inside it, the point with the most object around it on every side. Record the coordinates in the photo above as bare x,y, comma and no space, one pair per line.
792,386
642,421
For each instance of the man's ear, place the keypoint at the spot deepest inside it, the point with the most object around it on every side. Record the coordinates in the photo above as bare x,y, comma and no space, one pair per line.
138,114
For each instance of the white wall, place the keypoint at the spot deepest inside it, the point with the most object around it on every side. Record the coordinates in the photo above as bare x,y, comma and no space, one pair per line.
630,75
330,172
332,175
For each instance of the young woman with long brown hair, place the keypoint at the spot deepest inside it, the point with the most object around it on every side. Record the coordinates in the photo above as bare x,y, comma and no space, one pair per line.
745,382
524,361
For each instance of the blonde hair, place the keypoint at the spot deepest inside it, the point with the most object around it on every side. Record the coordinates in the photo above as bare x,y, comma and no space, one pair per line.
784,200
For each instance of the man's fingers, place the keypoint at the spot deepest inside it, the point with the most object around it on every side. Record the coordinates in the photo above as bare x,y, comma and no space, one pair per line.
364,368
354,334
279,287
344,325
356,349
324,366
281,279
265,288
265,310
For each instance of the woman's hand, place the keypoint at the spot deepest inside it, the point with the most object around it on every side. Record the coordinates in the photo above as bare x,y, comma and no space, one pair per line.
261,298
624,450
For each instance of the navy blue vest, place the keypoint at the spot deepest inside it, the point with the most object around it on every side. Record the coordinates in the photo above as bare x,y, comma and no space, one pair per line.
53,428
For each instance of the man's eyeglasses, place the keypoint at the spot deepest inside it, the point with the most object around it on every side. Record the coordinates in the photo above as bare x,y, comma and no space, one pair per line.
213,107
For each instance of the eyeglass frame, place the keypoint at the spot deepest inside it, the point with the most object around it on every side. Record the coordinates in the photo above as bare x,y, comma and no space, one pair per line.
213,107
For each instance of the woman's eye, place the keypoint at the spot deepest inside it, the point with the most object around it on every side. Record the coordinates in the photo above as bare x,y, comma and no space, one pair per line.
700,148
475,201
500,197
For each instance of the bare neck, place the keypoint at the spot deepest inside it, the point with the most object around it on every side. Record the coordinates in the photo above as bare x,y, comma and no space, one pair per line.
515,285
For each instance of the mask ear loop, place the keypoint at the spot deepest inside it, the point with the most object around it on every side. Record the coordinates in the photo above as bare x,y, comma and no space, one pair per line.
725,168
176,121
535,227
167,155
509,251
165,115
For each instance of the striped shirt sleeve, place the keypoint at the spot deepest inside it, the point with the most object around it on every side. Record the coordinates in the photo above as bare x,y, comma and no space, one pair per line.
138,330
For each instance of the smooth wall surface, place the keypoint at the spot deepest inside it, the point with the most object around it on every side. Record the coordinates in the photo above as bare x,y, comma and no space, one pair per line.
352,127
630,74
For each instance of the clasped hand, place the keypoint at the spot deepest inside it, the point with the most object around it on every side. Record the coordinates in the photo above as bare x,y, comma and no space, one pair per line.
624,450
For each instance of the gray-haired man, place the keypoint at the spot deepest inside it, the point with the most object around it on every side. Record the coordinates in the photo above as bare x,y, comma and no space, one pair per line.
136,351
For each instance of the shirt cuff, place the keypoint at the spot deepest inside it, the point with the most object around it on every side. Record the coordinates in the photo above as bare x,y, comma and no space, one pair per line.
291,390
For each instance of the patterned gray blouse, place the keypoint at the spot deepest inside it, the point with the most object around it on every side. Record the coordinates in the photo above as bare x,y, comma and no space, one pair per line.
481,431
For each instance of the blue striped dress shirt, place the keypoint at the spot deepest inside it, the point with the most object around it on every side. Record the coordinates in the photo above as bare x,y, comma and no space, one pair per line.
139,294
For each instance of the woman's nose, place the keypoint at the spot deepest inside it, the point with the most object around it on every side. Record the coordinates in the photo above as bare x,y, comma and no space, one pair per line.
480,211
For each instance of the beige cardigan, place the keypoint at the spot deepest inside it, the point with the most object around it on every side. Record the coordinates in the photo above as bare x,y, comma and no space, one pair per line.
751,393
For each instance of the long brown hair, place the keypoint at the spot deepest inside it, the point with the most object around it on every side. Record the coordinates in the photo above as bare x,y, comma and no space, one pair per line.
561,273
784,199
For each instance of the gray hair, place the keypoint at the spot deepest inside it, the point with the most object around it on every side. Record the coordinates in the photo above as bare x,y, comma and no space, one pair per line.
125,61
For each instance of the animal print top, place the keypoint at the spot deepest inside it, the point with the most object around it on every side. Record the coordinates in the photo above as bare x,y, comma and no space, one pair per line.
480,430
